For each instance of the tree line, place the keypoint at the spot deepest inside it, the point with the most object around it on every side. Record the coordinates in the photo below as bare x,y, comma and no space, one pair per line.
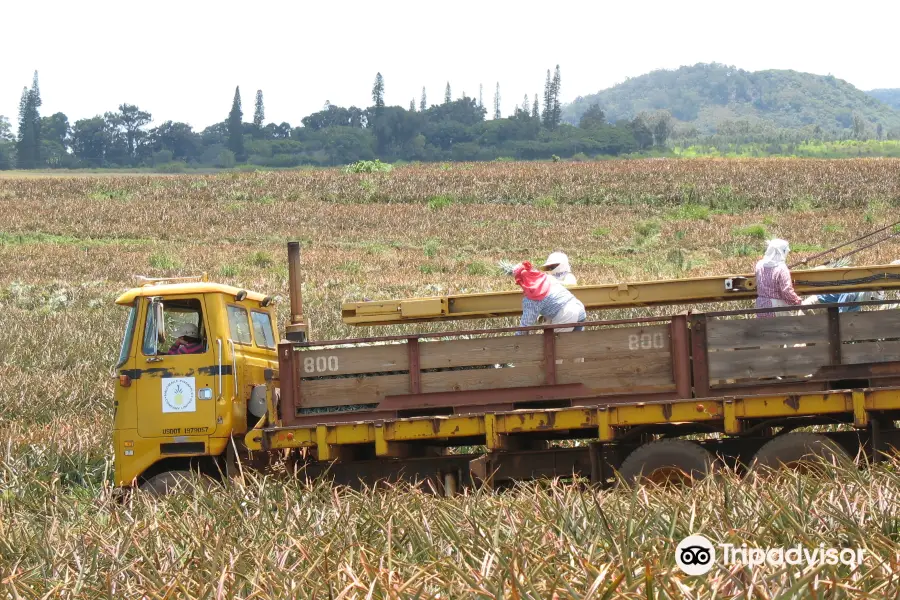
455,129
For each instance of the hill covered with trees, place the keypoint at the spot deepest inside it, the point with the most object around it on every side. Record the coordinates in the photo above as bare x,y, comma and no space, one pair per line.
710,99
890,96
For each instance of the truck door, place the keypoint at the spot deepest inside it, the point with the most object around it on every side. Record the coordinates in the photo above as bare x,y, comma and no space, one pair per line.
178,369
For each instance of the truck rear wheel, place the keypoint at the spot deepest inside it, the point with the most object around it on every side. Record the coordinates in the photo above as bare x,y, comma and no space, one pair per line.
667,462
798,451
175,481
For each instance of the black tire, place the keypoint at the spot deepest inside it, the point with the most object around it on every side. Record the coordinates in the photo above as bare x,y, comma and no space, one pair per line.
799,450
667,461
169,482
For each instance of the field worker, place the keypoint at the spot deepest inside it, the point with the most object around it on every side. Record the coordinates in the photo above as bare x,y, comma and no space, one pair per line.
842,298
845,297
546,297
774,287
187,340
558,266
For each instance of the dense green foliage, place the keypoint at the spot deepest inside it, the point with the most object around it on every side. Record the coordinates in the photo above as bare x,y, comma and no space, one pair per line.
29,140
711,109
713,98
891,96
456,130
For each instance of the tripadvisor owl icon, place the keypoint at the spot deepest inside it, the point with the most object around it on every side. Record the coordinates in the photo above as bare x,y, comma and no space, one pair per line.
695,555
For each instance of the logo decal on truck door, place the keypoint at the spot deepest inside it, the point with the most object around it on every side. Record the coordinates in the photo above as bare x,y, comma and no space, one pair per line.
178,395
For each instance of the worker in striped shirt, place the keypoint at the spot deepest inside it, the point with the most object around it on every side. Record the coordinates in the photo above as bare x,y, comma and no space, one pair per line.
545,297
774,287
187,340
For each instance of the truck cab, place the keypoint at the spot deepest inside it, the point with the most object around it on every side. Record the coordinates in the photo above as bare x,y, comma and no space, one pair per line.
190,376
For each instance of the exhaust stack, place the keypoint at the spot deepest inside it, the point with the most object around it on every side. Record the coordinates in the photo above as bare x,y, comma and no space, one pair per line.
298,328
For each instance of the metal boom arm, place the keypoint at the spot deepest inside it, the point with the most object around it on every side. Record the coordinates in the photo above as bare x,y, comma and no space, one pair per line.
622,295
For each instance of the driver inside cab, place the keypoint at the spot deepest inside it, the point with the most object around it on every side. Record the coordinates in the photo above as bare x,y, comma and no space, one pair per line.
187,340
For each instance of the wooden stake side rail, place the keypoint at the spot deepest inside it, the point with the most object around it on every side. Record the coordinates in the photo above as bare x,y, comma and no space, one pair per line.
412,373
710,369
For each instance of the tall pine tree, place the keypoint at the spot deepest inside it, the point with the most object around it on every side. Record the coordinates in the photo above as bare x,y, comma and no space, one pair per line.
480,96
526,105
556,115
259,113
536,108
423,103
412,105
235,127
25,140
448,98
378,92
548,101
28,144
497,114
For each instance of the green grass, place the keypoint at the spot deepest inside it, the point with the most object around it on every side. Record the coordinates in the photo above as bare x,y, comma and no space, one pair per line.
479,268
103,193
23,239
646,232
743,249
545,202
229,270
351,267
439,202
262,259
431,248
801,247
690,212
600,232
164,261
756,232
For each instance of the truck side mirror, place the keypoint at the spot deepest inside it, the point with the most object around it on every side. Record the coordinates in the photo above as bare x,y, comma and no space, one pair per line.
154,334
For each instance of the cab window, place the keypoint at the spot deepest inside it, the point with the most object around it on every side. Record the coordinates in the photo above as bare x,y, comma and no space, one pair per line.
262,329
239,324
178,325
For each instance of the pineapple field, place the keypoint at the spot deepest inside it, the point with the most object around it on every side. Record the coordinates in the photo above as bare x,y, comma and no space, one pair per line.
69,244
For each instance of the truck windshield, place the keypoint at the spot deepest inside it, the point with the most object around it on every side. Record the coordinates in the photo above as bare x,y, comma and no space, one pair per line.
128,337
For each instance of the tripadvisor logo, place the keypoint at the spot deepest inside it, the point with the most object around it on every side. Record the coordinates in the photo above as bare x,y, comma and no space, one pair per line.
696,555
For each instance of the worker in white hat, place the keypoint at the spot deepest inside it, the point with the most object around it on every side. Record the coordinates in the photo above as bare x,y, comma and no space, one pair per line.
558,266
187,340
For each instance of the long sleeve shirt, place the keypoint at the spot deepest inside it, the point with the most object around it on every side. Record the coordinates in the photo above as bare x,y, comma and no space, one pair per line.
839,298
187,348
774,288
548,308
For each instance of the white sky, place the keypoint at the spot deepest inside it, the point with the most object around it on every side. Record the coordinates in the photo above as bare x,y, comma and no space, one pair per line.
181,60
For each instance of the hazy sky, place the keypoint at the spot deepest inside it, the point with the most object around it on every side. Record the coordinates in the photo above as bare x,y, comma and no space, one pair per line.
182,60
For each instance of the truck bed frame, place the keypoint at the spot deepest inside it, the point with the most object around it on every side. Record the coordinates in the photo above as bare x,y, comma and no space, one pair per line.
578,403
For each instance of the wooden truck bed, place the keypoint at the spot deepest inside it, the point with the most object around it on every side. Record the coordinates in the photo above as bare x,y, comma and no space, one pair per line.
611,362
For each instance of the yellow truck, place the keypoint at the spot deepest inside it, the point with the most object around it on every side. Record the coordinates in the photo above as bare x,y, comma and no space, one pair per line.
488,406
